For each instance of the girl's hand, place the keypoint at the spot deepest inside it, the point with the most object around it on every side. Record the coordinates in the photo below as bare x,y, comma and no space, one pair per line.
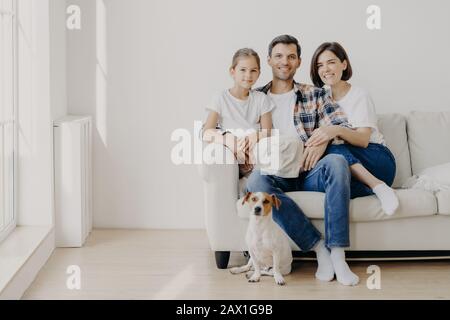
245,151
241,156
322,135
246,144
241,150
252,140
230,141
242,144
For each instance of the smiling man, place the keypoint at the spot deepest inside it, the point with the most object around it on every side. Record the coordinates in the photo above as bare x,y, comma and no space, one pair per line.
299,110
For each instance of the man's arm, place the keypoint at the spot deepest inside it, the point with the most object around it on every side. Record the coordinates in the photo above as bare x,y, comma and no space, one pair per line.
336,125
358,137
330,113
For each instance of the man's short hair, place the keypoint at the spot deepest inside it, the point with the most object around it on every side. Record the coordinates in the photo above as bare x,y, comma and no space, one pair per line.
285,39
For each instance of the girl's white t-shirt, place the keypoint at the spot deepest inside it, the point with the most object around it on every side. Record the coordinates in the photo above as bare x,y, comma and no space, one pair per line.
360,110
240,117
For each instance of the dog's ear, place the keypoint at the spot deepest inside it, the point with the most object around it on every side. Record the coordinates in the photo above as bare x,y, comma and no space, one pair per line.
247,196
276,201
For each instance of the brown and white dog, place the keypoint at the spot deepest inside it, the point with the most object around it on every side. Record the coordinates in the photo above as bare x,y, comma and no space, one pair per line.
268,245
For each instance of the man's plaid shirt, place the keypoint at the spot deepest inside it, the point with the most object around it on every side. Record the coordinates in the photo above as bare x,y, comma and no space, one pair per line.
313,109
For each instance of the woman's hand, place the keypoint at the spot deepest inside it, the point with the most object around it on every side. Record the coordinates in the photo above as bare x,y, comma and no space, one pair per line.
322,135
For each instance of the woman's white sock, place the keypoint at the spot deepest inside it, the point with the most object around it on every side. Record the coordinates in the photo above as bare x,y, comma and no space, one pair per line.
325,271
343,273
388,198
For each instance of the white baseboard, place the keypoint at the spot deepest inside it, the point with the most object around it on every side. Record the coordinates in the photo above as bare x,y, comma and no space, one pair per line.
30,248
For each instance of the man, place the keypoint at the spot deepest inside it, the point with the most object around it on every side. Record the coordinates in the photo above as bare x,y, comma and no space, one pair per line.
299,110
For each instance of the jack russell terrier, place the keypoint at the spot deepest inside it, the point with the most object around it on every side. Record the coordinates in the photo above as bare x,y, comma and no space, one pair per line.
269,248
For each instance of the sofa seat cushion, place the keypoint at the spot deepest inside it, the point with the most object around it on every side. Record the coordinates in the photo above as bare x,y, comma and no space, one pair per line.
413,203
443,201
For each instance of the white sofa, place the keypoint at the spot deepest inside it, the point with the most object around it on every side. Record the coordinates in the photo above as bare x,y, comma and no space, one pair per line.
422,223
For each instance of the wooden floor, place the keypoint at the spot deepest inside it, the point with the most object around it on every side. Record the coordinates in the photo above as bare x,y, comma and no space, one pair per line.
153,264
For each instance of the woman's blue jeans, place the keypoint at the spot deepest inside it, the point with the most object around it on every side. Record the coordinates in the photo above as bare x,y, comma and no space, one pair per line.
331,175
376,158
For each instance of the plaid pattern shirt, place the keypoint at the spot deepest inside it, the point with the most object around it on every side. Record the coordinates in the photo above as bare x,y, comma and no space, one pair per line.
313,109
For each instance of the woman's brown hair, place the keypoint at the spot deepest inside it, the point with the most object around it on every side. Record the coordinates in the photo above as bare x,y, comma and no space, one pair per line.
339,51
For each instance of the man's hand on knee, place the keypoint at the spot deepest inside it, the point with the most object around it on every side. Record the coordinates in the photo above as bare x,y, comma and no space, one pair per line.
312,155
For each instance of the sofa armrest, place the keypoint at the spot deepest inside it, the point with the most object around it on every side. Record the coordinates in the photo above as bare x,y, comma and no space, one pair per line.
218,162
225,230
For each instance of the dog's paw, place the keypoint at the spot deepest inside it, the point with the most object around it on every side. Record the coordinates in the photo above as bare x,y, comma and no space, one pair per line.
279,280
249,274
254,278
235,270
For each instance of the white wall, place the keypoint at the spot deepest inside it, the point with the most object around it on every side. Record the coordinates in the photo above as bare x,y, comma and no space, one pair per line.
144,68
35,141
58,96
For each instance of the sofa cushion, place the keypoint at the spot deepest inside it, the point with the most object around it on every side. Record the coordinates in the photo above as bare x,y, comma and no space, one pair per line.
413,203
432,179
443,200
428,139
393,128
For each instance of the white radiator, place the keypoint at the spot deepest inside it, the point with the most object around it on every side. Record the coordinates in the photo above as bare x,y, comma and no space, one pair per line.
73,180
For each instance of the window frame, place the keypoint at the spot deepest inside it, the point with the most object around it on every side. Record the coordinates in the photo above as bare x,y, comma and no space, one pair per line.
8,228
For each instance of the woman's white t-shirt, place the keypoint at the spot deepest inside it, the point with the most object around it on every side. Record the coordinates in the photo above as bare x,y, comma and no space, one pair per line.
360,111
240,117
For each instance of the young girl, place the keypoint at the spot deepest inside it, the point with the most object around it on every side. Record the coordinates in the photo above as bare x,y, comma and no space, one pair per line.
237,115
369,159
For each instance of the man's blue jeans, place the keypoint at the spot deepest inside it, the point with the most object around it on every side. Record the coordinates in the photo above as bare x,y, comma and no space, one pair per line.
376,158
331,175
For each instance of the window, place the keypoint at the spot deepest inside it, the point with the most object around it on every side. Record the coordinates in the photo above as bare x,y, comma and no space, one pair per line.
8,103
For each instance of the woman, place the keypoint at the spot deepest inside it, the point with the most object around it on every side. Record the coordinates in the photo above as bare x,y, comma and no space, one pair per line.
371,162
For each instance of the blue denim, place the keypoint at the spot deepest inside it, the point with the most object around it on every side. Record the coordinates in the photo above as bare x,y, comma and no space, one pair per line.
376,158
332,176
